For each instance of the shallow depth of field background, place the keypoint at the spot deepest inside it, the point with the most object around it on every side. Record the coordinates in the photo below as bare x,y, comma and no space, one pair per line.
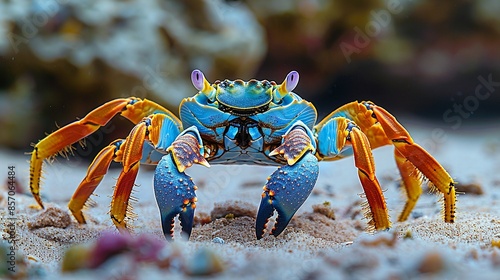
421,59
434,64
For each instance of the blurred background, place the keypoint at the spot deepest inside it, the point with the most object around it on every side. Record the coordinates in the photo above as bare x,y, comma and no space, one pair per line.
437,61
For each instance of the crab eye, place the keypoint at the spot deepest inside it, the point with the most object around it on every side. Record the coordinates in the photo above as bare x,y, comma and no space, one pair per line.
198,79
292,79
289,84
201,84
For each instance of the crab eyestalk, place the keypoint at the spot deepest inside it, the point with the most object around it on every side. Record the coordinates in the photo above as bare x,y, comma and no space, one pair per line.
289,84
201,84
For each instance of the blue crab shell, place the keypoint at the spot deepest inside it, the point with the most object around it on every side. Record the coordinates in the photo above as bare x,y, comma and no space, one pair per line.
242,122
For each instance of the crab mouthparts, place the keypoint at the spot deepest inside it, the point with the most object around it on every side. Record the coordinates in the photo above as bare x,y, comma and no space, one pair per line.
243,112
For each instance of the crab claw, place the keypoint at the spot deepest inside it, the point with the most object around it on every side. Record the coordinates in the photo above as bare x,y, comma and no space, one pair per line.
175,195
286,190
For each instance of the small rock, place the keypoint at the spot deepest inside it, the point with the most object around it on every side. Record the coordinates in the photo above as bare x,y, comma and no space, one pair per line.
218,240
432,263
75,258
108,245
205,262
472,188
147,248
51,217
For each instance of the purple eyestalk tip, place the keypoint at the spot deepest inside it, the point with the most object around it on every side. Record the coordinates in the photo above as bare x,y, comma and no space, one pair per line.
292,79
197,78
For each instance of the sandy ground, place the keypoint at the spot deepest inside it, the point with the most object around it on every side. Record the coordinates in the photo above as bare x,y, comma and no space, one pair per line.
313,246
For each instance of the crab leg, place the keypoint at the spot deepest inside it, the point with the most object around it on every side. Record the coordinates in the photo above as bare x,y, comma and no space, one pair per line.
132,153
381,128
143,145
174,189
157,129
60,141
420,158
412,181
339,137
378,215
96,171
289,186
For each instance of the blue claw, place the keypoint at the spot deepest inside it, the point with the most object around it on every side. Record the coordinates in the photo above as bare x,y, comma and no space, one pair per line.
175,195
285,191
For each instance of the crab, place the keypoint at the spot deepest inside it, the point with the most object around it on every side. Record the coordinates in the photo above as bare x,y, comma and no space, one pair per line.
244,122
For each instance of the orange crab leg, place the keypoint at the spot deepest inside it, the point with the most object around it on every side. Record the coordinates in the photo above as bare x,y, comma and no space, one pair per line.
340,136
131,156
363,158
129,152
420,158
412,181
59,141
96,171
65,136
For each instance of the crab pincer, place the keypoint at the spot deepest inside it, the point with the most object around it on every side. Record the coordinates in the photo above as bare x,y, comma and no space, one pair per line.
285,191
175,195
174,189
290,185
